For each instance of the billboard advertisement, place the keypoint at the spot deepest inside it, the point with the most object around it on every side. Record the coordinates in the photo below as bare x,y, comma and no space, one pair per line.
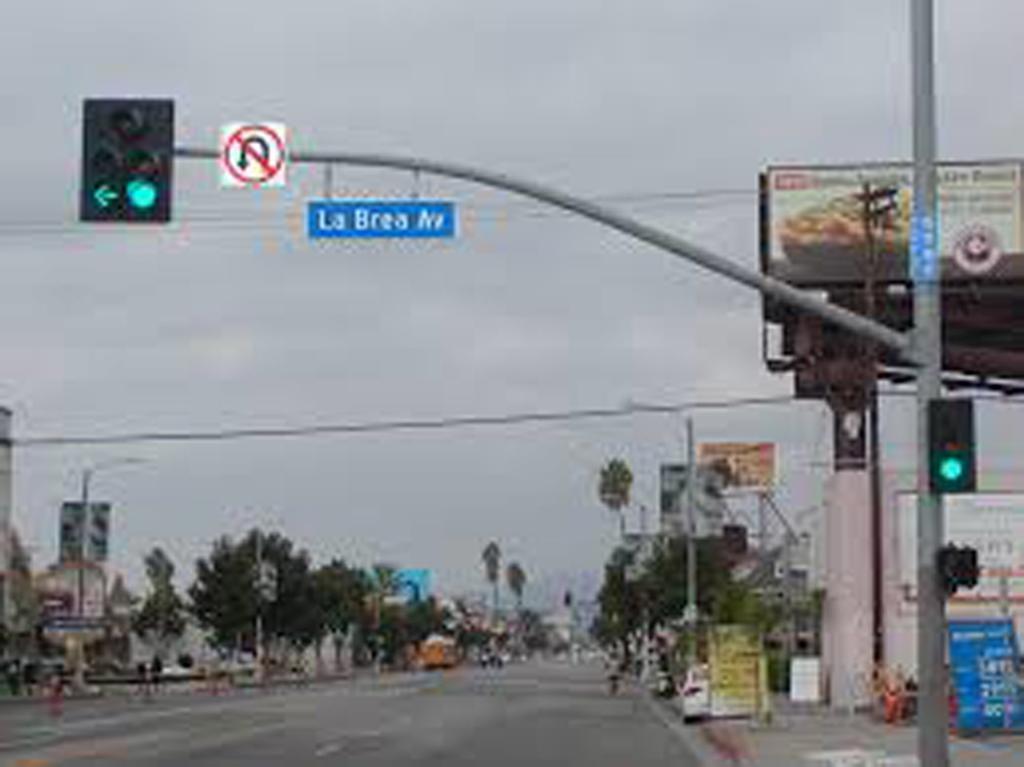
413,585
740,465
710,508
992,524
985,667
814,230
94,527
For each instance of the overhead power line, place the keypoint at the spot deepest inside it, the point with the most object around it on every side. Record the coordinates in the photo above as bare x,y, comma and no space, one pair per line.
482,213
401,425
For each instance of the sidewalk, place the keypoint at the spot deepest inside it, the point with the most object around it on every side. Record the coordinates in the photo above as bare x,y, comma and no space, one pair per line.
804,737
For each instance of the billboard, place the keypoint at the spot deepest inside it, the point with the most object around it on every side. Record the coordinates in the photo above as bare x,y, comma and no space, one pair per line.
413,585
985,663
993,524
741,465
710,507
94,527
814,234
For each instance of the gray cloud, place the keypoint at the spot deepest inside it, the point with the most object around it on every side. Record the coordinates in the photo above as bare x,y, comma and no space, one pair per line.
210,322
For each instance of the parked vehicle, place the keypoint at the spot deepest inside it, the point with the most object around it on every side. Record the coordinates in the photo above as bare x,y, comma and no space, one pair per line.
696,693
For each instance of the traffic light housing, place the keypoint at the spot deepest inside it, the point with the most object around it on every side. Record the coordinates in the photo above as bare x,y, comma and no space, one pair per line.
127,160
958,568
952,465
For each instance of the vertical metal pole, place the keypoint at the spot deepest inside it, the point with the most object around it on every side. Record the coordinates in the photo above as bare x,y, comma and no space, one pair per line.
691,540
875,479
259,605
874,458
645,645
933,745
86,478
328,181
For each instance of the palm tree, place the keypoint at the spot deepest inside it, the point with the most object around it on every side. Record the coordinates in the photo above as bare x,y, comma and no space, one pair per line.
492,567
515,577
614,485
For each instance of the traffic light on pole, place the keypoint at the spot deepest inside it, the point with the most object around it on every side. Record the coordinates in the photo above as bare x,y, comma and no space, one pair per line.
958,568
127,160
952,467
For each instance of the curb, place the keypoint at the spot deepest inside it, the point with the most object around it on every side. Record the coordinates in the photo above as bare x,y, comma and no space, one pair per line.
691,737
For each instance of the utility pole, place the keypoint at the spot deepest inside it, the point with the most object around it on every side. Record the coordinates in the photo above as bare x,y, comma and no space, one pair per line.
691,542
645,669
260,586
933,743
86,480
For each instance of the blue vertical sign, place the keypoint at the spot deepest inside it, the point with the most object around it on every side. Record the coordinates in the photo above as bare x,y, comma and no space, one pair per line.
985,667
380,219
924,247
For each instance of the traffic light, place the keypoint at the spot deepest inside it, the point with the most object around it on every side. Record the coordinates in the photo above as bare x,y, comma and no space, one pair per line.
127,160
958,567
952,467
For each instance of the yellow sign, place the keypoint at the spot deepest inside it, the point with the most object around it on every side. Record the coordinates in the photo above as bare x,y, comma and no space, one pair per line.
738,672
742,465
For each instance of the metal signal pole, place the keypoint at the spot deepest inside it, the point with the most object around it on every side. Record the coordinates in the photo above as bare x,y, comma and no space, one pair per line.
932,731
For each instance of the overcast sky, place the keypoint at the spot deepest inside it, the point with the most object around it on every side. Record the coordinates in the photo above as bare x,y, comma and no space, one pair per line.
228,317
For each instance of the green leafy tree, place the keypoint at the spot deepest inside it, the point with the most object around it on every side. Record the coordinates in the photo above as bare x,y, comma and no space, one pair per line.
515,577
492,570
341,593
224,594
161,618
615,483
620,602
226,597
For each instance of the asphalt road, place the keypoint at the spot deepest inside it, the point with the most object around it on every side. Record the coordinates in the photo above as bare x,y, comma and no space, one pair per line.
530,715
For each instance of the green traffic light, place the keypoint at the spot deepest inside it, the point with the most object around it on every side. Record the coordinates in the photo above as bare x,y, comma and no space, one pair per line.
141,193
951,468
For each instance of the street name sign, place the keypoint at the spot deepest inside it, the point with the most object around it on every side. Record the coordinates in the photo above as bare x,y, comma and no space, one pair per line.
380,219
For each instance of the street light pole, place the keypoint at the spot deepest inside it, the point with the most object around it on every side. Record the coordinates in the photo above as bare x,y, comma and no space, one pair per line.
691,542
86,480
933,744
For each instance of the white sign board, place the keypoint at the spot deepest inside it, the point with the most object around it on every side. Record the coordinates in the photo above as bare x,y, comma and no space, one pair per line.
993,524
805,680
253,154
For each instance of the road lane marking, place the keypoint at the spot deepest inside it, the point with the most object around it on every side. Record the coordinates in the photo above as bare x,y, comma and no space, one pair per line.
330,748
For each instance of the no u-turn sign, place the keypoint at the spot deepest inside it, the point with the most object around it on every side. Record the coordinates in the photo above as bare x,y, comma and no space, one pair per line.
253,154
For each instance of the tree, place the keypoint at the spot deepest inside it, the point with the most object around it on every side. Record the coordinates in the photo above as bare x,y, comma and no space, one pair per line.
25,607
515,577
161,618
341,592
226,597
615,483
492,569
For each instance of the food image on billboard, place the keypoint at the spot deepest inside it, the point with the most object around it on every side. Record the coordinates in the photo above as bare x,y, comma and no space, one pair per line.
816,235
740,465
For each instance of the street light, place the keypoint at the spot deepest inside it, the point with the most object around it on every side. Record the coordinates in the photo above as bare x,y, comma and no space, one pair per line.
87,475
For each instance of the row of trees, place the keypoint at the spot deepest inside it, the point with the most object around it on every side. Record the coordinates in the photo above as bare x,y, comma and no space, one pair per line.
515,575
655,588
299,605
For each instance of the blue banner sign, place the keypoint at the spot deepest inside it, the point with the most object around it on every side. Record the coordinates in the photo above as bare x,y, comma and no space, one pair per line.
985,665
414,585
380,219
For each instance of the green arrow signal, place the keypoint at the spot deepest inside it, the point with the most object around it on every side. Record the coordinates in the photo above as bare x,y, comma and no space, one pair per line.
105,195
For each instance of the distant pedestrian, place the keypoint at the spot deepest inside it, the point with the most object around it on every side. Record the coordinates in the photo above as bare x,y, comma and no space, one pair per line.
156,672
56,693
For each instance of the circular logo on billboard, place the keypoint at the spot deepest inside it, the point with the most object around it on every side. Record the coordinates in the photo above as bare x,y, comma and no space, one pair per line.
977,249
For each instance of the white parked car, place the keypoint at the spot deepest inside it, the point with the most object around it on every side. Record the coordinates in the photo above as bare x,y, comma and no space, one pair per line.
696,694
